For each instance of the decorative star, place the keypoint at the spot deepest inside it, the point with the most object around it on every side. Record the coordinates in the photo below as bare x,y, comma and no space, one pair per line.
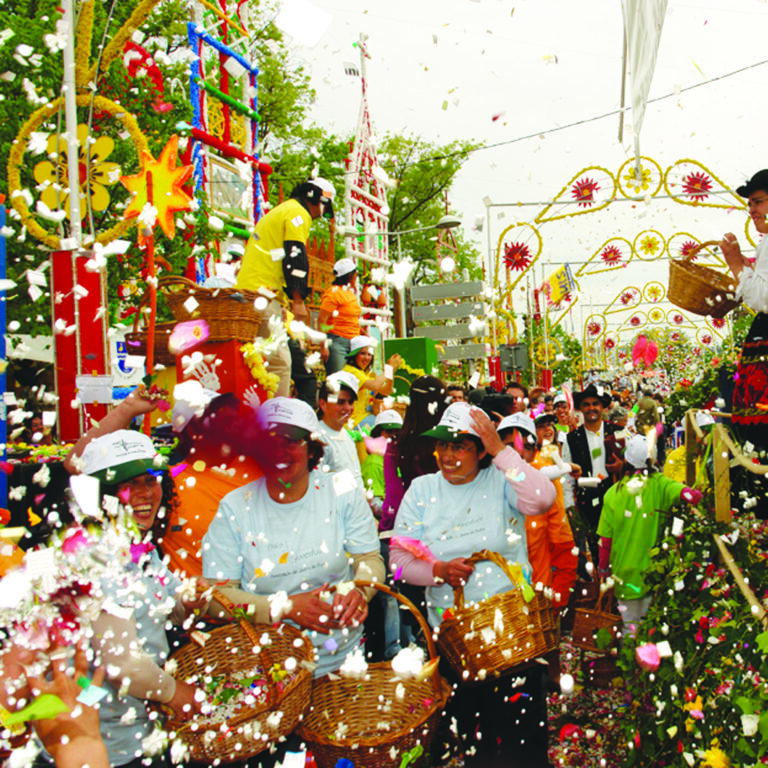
168,197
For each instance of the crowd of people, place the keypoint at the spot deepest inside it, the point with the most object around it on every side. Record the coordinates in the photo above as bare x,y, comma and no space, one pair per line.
273,506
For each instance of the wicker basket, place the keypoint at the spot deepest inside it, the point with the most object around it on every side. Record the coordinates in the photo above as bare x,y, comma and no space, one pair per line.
383,720
588,620
470,642
599,671
584,594
230,312
230,649
700,289
136,340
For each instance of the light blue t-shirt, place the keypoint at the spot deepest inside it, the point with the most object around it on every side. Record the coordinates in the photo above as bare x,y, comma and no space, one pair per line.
292,547
340,452
150,592
457,520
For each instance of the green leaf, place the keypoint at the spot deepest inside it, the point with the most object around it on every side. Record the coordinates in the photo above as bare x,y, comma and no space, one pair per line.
762,642
604,638
745,704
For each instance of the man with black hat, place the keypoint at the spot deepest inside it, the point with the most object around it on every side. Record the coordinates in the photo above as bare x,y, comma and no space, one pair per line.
276,264
750,396
585,446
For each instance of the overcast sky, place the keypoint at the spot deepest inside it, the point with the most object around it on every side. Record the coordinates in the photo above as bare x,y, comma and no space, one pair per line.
443,69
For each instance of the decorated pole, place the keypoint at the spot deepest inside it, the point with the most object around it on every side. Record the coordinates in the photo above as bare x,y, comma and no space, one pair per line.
3,422
70,115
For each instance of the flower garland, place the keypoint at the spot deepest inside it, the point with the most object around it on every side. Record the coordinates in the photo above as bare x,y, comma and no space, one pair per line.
255,362
16,160
415,372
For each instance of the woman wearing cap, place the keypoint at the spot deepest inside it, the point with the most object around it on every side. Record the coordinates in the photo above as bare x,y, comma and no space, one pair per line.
339,315
477,500
359,363
280,541
750,397
129,634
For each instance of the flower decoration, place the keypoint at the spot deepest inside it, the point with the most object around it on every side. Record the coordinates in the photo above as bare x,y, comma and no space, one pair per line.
628,296
716,758
656,315
593,328
697,185
634,320
655,292
706,339
584,191
677,319
168,197
611,255
517,256
675,336
687,247
638,182
95,173
718,322
649,245
254,360
609,343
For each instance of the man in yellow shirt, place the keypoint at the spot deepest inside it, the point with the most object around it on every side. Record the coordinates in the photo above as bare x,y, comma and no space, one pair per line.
276,264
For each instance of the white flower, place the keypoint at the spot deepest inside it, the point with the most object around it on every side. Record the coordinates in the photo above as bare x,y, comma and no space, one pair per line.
408,662
355,666
155,743
749,723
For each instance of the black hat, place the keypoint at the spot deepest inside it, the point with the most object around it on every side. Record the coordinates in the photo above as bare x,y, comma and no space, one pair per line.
592,391
758,182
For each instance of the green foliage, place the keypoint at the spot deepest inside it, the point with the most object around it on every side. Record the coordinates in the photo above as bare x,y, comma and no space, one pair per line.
695,700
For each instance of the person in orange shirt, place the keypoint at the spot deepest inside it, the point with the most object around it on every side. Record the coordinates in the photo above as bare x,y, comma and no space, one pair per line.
549,537
339,315
214,433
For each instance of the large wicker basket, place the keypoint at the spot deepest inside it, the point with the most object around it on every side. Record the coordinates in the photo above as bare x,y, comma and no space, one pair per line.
374,722
230,312
136,340
700,289
497,635
233,648
589,620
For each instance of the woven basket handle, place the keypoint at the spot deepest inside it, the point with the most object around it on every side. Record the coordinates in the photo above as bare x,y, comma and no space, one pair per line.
604,600
250,631
473,559
698,248
167,281
425,628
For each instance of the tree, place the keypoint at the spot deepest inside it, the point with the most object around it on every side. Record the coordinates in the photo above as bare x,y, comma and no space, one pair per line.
422,174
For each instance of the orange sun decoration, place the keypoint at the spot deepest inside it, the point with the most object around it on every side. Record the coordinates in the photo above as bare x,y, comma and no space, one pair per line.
168,197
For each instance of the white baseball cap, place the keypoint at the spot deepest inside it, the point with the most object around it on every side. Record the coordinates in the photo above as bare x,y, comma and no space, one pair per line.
455,423
190,399
343,379
288,411
360,342
519,421
636,451
120,455
386,420
344,267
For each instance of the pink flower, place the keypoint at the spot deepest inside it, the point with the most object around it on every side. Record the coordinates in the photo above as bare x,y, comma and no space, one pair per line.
188,334
75,540
648,656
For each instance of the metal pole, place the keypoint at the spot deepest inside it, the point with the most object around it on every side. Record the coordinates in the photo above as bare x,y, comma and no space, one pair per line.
70,116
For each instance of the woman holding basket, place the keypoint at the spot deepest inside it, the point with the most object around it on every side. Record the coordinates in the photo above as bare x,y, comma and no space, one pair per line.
750,397
477,500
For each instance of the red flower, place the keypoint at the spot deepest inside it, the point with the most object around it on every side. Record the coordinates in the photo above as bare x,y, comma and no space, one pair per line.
687,247
697,186
675,337
706,339
610,343
611,254
634,320
584,191
677,319
628,296
593,328
718,322
517,256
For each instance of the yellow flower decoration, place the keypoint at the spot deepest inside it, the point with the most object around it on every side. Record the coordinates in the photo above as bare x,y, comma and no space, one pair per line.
655,315
716,758
655,292
255,363
649,245
95,173
638,184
